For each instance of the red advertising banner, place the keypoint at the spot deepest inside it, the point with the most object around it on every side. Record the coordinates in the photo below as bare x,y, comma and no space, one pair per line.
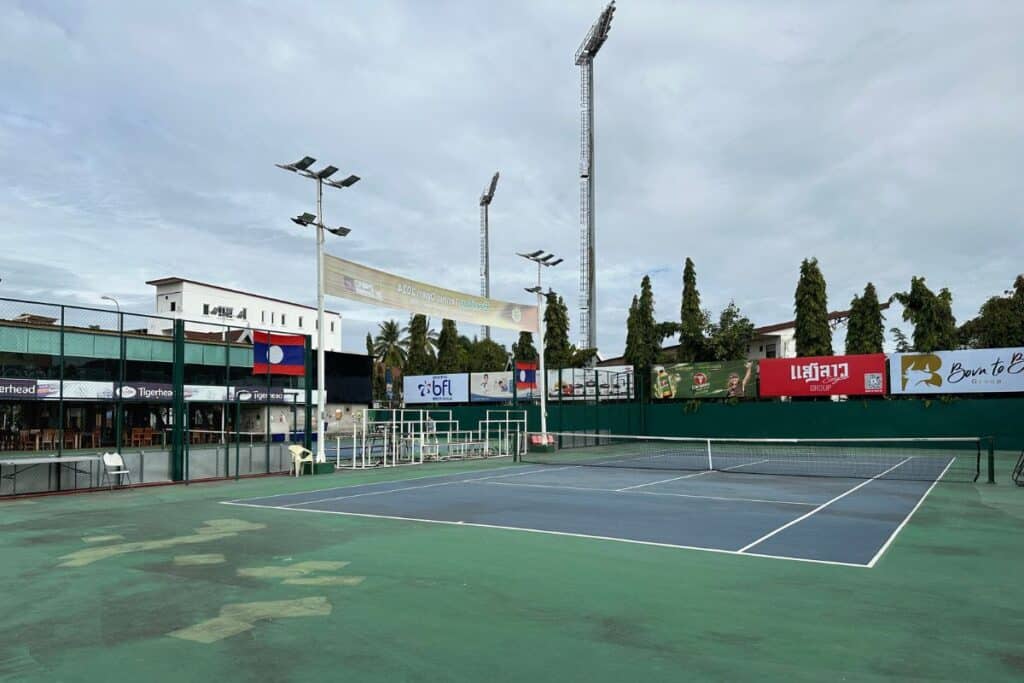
823,376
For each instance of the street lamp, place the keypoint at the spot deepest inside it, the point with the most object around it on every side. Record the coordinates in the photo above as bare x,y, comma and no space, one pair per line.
322,177
542,259
110,298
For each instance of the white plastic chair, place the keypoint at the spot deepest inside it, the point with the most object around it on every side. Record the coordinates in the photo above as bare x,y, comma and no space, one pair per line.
300,456
113,466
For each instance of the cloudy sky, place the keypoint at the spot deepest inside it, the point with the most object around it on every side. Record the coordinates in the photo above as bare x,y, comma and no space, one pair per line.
137,140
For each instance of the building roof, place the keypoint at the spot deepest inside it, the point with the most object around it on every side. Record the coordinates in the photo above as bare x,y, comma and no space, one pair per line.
172,280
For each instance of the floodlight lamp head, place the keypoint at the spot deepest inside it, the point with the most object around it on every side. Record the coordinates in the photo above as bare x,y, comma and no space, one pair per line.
304,219
533,255
300,165
554,263
325,172
533,290
340,231
596,36
346,182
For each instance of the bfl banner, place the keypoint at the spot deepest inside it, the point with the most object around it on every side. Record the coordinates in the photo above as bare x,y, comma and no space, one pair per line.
974,371
719,379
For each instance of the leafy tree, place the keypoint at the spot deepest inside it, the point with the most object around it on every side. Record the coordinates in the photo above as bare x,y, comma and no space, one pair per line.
865,331
813,334
644,343
631,337
420,348
693,320
557,349
524,349
931,315
448,359
387,345
999,323
376,371
486,355
729,338
902,343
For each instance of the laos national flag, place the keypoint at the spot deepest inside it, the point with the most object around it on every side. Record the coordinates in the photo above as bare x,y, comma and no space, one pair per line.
526,375
278,354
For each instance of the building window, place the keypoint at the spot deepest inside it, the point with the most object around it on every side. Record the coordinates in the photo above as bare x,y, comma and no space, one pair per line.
206,309
272,314
283,319
173,305
263,316
770,351
332,326
300,322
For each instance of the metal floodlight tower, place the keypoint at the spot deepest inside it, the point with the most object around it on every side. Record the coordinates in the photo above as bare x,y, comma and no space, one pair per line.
541,258
585,54
322,177
485,247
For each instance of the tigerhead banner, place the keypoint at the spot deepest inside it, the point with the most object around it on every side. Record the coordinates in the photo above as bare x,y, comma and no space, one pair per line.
353,281
975,371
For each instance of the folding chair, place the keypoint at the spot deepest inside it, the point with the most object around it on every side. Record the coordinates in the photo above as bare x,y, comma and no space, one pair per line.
300,456
113,466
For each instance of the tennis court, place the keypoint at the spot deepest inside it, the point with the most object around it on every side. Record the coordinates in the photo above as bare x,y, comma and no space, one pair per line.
837,502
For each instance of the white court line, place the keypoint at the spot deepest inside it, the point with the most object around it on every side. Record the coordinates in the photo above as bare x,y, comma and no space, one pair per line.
421,486
721,551
367,483
906,519
822,506
645,493
690,476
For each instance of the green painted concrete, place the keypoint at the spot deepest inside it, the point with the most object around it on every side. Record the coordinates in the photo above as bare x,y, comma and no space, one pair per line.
471,604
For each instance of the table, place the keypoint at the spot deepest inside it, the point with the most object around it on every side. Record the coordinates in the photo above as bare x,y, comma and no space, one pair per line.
19,465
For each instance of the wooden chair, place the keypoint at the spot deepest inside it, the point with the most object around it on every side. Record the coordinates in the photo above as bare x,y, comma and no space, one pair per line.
70,438
148,435
49,438
136,437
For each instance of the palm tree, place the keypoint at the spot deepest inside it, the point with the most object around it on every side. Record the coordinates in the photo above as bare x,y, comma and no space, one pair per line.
387,345
432,337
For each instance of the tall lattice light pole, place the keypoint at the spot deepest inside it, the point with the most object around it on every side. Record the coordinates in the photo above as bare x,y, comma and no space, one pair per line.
585,54
541,258
485,247
321,177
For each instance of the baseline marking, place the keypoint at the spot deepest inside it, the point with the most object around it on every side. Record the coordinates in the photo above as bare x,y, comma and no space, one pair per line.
822,506
910,514
721,551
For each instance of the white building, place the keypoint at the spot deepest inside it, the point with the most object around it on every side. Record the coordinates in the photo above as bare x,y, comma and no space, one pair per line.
198,301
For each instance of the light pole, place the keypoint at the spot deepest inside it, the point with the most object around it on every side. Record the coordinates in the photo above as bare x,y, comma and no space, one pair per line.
542,259
321,177
119,420
485,246
110,298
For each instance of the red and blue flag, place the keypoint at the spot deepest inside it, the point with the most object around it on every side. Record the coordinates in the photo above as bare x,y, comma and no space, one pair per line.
278,354
526,375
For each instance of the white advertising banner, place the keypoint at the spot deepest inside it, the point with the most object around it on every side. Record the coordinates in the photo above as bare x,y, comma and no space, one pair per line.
490,386
975,371
357,282
609,383
436,388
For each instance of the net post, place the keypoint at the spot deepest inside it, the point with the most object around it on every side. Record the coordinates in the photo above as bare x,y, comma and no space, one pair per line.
991,460
711,463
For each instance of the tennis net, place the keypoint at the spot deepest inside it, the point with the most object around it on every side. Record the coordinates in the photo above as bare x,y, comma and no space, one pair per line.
925,459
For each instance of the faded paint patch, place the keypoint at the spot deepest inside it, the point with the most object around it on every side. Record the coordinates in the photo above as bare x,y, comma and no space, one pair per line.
102,539
212,530
326,581
193,560
299,569
238,618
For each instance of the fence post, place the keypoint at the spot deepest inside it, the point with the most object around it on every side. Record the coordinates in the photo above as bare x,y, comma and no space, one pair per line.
307,439
992,460
178,390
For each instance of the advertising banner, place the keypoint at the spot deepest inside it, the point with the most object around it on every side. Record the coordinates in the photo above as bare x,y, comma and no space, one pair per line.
353,281
974,371
74,390
436,388
146,391
823,376
607,383
490,386
14,389
257,394
718,379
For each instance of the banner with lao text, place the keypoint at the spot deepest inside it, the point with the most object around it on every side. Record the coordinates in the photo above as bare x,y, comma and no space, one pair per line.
350,280
452,388
858,375
717,379
975,371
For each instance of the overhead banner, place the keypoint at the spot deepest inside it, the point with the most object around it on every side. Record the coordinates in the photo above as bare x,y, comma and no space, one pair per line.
975,371
350,280
436,388
607,383
490,386
823,375
719,379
